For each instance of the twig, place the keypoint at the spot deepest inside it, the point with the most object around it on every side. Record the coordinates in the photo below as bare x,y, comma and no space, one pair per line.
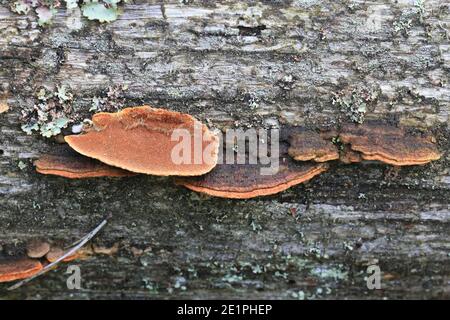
48,267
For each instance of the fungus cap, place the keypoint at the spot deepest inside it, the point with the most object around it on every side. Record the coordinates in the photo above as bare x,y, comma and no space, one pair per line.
17,269
244,181
309,145
67,163
143,140
389,144
56,252
37,248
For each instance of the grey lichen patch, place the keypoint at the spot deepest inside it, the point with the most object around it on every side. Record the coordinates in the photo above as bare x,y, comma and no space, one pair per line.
45,10
151,286
50,114
330,273
409,18
355,103
287,82
110,101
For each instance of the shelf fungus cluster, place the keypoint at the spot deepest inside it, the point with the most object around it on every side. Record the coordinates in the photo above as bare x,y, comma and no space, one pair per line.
145,140
38,254
132,141
67,163
309,145
388,144
243,181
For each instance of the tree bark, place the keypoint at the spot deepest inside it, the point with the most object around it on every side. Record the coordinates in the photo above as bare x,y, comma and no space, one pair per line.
254,64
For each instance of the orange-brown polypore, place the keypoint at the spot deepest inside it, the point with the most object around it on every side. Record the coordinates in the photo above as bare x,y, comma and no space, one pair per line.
244,181
67,163
37,248
310,145
56,252
17,269
348,156
149,140
389,144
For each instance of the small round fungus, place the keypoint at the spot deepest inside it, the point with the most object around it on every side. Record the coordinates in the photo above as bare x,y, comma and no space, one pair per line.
151,141
16,269
37,248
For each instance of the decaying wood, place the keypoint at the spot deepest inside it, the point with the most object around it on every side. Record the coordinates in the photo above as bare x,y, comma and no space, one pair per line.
248,65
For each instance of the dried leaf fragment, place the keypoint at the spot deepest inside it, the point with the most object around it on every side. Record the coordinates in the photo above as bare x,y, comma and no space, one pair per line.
3,106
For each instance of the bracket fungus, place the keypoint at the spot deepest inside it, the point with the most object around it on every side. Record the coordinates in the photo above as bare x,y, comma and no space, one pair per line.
244,181
37,248
56,252
67,163
308,145
348,156
143,140
16,269
389,144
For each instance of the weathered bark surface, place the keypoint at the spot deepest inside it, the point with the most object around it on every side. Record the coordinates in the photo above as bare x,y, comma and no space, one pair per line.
254,64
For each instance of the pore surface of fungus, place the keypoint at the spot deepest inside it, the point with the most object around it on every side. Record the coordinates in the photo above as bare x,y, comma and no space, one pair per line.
308,145
67,163
389,144
244,181
17,269
143,140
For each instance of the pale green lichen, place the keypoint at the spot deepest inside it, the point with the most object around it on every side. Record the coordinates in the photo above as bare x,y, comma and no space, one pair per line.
329,273
71,4
50,114
22,165
63,94
53,128
21,7
409,17
45,10
354,104
111,101
103,12
299,295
